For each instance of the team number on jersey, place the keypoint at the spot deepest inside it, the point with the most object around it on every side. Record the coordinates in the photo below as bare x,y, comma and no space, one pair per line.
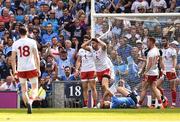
24,51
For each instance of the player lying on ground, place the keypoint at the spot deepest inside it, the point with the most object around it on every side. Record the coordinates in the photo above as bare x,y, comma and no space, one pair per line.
28,65
128,99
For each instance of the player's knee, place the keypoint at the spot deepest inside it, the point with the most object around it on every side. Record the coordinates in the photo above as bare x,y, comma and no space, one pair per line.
144,89
85,87
93,88
24,90
105,78
173,89
34,80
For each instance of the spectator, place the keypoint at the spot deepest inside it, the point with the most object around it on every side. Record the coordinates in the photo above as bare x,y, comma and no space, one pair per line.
140,6
133,69
46,38
20,14
8,47
62,62
68,76
71,51
145,36
76,31
133,36
7,4
36,36
2,29
140,46
53,49
5,16
124,50
117,28
59,9
158,6
66,18
51,19
9,85
5,67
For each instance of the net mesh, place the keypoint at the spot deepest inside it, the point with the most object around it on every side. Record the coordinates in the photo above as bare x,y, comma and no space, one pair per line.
136,29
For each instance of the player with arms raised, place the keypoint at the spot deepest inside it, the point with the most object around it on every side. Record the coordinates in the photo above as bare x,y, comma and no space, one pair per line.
85,63
99,51
28,65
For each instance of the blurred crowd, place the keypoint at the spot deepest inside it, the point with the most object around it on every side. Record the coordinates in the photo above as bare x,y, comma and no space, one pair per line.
58,26
137,6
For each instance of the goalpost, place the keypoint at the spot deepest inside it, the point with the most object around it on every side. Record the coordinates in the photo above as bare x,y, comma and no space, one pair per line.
157,24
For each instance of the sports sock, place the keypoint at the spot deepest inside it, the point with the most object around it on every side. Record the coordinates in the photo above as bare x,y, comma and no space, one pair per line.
173,96
85,102
153,102
94,102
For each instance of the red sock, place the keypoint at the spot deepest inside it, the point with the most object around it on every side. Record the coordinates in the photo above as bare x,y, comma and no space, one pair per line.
160,101
85,102
140,102
161,90
94,102
173,96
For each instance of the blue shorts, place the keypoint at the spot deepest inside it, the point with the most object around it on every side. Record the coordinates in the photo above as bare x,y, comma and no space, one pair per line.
122,102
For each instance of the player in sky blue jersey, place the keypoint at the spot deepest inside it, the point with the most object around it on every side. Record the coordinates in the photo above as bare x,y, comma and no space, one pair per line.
128,99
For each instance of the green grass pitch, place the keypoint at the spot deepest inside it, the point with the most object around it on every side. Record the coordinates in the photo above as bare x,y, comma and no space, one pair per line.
90,115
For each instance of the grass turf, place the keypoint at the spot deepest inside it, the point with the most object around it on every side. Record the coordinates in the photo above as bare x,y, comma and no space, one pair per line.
90,115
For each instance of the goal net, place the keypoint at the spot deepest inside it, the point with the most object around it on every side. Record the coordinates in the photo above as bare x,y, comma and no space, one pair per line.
135,28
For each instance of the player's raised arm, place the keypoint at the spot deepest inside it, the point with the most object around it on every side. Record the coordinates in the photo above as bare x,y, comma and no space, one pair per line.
85,45
102,44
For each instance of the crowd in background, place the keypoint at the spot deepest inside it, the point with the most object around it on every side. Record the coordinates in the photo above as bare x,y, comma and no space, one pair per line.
58,26
137,6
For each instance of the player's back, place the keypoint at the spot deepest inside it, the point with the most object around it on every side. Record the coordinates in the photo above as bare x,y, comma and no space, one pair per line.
122,102
25,57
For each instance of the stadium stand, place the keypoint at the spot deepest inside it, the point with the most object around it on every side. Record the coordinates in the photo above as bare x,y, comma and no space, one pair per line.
136,6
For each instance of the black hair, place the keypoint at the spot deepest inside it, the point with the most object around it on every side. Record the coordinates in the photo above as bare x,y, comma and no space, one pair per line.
152,39
22,30
94,39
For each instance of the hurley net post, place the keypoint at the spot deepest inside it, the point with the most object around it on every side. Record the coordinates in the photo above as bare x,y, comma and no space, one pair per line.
137,27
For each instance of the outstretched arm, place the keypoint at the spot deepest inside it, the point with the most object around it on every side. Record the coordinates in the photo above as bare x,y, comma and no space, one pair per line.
85,45
103,45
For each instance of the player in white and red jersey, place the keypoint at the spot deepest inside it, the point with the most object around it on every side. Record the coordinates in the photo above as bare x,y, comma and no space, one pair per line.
99,50
170,62
151,73
28,65
85,63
